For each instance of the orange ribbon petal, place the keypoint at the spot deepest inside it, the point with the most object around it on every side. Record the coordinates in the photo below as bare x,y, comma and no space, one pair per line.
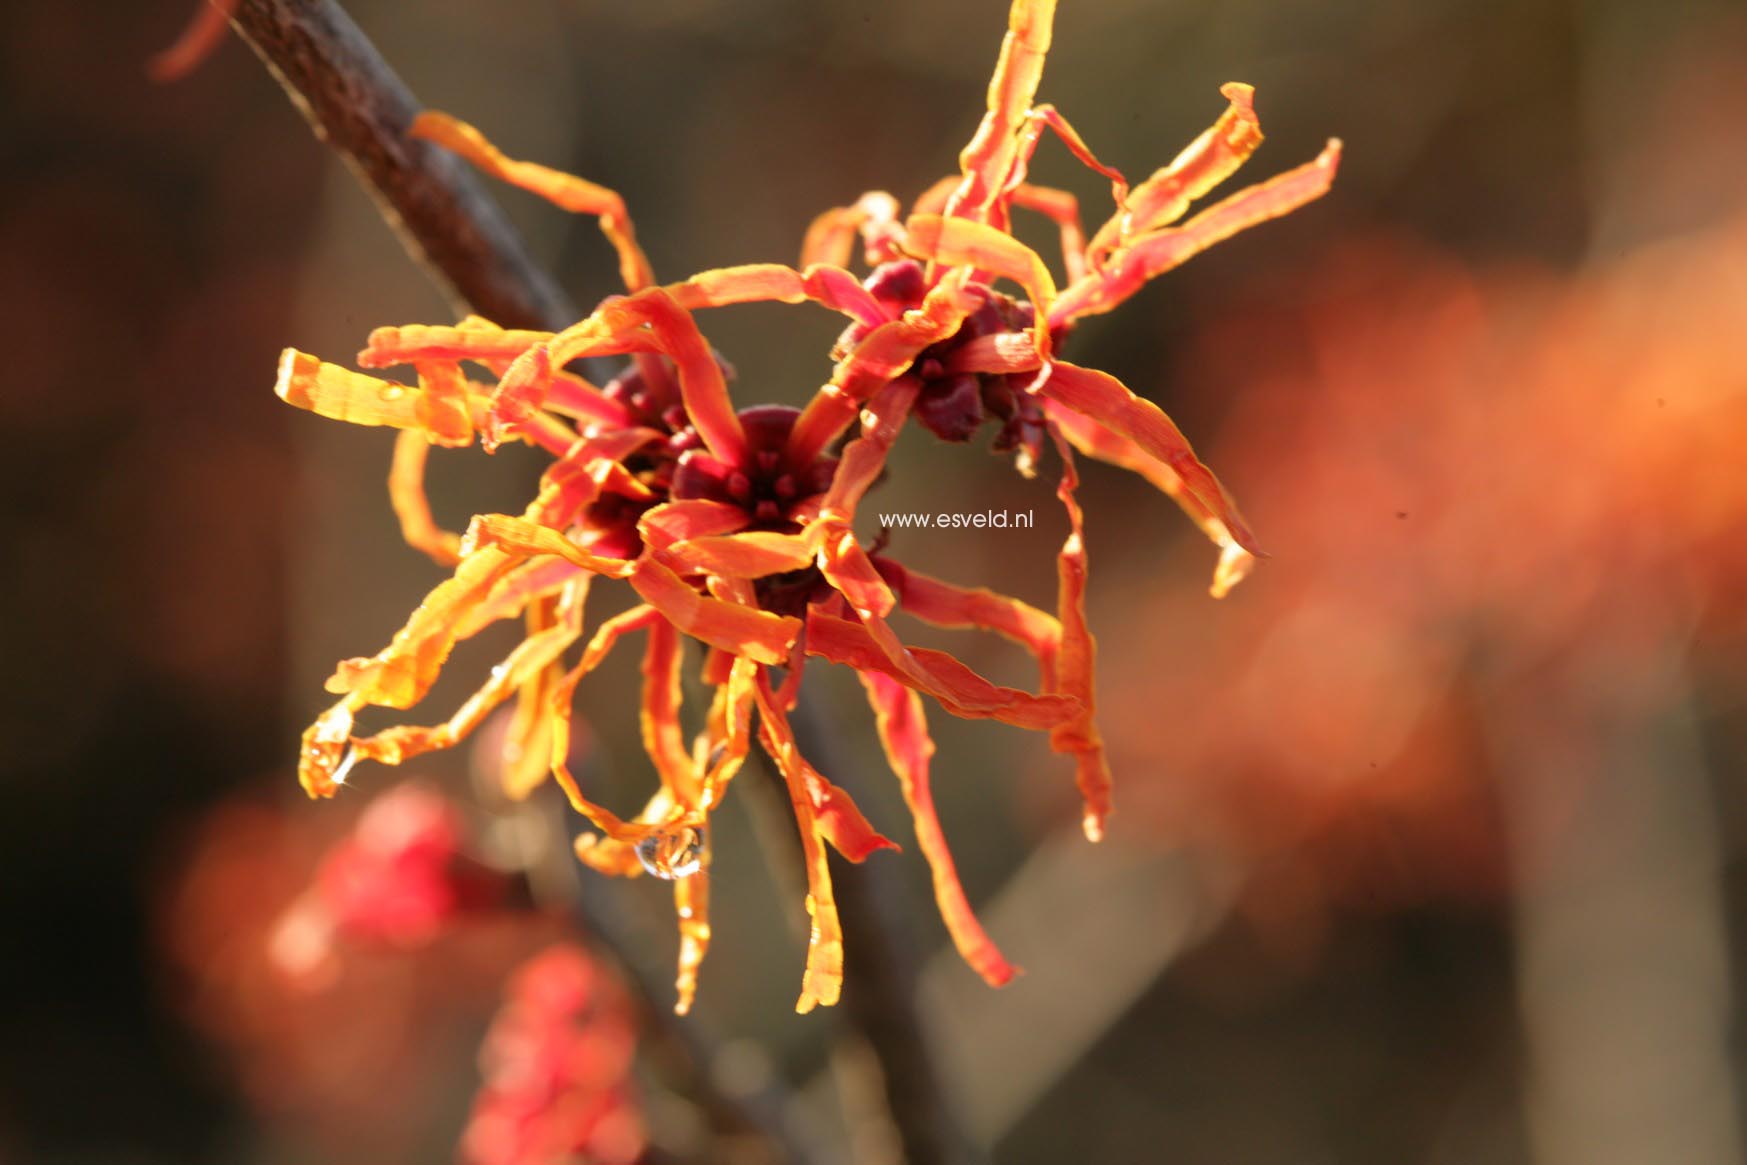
1148,256
1074,668
574,194
1108,402
903,730
959,689
1206,162
988,160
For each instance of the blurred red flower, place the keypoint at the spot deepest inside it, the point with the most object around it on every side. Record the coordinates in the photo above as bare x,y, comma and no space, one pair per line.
557,1065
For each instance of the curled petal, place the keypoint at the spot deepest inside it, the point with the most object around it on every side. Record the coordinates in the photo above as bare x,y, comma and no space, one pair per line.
472,339
529,582
574,194
831,236
406,495
590,467
903,730
989,158
1206,162
663,739
527,746
822,283
945,605
851,572
960,242
1063,209
522,538
400,674
933,200
1147,256
1074,666
520,396
653,320
865,457
730,731
443,407
959,689
343,395
823,812
756,634
606,636
532,656
1092,439
1106,401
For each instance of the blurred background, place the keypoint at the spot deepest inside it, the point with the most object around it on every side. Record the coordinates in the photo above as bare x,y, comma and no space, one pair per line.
1429,842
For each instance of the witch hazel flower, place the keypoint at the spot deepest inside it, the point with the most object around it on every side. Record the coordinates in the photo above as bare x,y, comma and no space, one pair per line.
735,526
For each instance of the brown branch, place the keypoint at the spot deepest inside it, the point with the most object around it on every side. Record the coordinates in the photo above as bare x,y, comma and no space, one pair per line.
355,103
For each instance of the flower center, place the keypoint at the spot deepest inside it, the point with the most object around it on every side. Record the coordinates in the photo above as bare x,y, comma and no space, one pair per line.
954,405
765,481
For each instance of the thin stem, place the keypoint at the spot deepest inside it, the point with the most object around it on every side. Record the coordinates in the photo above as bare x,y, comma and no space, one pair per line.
355,103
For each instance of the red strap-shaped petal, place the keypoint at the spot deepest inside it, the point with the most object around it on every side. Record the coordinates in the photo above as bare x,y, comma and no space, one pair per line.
663,739
822,981
903,730
958,688
1108,402
1148,256
946,605
400,674
831,236
1206,162
823,283
988,160
1073,670
961,243
1092,439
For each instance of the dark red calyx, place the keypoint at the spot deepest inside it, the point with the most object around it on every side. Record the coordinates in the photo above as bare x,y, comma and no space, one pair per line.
763,481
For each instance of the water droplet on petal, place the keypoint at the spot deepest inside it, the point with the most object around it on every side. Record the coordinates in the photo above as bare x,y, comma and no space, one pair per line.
673,852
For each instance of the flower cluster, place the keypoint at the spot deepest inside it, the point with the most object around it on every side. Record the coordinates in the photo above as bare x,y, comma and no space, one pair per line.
736,526
557,1068
397,880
